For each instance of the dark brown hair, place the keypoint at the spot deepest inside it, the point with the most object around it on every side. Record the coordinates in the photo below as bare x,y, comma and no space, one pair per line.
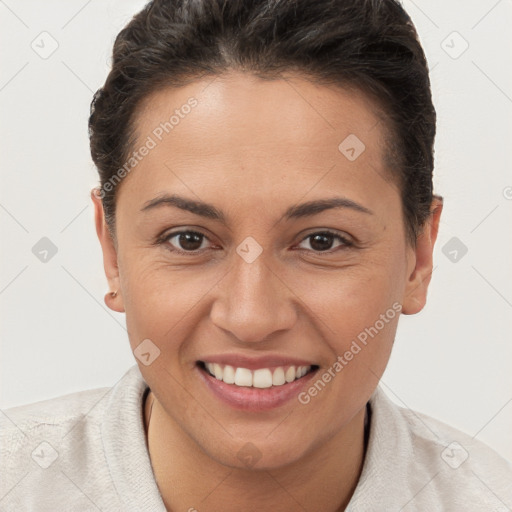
371,45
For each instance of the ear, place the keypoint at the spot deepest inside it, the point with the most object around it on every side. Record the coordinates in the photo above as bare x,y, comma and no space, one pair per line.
420,271
109,249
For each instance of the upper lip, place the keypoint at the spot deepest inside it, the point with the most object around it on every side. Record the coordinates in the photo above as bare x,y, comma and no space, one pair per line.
254,363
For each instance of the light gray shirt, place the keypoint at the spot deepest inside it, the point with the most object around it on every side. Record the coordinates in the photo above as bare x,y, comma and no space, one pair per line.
87,451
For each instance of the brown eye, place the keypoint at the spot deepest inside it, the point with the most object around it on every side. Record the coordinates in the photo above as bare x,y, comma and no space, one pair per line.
323,241
186,241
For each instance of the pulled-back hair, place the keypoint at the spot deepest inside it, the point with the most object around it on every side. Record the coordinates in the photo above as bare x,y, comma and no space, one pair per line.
370,45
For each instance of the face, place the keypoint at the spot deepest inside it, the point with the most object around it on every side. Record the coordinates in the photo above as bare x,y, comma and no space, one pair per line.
252,246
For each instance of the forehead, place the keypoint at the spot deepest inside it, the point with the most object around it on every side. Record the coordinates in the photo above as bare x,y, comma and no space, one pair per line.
285,136
248,109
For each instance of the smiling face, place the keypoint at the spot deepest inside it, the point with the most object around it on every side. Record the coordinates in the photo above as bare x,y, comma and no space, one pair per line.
247,239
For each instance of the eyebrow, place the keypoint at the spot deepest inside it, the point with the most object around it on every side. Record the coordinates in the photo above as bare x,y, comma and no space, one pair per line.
294,212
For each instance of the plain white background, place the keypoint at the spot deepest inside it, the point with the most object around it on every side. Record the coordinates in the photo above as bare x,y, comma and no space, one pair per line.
452,361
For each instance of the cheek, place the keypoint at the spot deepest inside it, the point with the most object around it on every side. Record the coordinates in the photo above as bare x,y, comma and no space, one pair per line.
159,300
357,311
347,300
359,316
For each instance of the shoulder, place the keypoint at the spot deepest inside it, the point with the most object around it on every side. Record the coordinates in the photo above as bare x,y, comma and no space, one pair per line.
62,412
54,418
437,464
455,449
52,451
54,412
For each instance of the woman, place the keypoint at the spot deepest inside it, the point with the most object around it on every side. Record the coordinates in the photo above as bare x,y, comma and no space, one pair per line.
265,213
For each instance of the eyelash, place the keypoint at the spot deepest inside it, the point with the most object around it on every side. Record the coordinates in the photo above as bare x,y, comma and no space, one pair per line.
165,240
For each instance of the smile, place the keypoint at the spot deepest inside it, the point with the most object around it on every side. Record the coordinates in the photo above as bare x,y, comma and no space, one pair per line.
260,378
257,388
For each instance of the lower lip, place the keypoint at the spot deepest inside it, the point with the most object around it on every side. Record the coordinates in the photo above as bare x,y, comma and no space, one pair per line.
254,399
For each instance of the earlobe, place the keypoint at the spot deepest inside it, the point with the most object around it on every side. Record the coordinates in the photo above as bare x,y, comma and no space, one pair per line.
113,299
419,276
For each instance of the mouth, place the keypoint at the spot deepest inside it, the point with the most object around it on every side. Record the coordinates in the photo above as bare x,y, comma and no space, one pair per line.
260,378
255,389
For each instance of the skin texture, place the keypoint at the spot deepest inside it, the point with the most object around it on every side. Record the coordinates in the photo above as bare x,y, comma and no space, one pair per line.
254,148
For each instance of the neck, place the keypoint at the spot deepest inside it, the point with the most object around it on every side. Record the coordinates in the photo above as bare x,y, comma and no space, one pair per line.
188,479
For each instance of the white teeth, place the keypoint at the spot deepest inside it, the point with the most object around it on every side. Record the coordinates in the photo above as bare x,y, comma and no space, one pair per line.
217,371
290,374
261,378
278,377
243,377
229,375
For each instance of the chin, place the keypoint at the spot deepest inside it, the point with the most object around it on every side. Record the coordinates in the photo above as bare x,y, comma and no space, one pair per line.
262,450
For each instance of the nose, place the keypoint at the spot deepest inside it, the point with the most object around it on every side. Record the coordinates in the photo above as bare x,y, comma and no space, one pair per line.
254,302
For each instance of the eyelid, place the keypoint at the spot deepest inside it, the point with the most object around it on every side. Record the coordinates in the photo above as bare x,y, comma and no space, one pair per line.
319,231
